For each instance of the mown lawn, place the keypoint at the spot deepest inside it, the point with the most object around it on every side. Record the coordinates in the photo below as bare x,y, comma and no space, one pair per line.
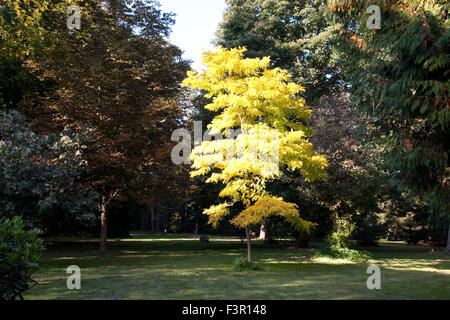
178,267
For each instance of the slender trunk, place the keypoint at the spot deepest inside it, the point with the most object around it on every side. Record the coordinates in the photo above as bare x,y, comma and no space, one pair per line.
152,215
249,244
262,233
145,220
447,250
103,230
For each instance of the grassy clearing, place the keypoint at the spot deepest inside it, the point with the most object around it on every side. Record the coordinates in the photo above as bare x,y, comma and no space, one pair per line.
181,267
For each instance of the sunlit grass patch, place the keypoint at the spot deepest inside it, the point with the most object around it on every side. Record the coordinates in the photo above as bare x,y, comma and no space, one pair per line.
194,270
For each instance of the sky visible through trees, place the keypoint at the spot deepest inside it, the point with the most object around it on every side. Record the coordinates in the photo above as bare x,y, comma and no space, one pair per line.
196,17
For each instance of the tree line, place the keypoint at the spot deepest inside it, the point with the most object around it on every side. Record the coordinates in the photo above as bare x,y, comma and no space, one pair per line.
88,116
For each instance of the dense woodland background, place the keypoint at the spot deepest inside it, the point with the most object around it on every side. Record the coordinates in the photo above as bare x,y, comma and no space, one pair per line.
85,133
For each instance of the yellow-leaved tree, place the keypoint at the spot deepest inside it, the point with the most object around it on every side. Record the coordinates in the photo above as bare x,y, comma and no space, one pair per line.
263,119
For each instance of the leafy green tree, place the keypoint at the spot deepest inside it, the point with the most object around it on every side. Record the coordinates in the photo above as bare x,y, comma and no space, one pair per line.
41,176
22,36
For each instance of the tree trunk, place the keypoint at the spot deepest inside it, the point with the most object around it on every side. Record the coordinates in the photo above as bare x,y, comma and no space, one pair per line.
152,219
262,233
447,250
103,230
145,220
249,244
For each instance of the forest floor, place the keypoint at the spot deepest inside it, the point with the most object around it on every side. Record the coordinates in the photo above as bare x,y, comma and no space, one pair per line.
179,266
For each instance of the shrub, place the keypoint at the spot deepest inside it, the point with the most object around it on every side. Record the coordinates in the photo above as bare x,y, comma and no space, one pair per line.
19,253
352,254
242,263
344,253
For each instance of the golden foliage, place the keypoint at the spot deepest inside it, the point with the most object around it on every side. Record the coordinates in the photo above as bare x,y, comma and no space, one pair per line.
269,206
268,110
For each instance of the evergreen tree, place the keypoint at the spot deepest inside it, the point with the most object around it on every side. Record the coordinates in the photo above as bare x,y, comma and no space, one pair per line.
399,78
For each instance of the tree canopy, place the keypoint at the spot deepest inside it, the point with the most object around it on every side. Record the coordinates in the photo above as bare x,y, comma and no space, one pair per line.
265,106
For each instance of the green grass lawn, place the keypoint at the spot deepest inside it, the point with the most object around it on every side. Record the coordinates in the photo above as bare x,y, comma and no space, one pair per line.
179,267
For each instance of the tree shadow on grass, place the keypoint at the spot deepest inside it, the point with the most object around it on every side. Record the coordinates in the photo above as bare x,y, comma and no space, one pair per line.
193,270
278,281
